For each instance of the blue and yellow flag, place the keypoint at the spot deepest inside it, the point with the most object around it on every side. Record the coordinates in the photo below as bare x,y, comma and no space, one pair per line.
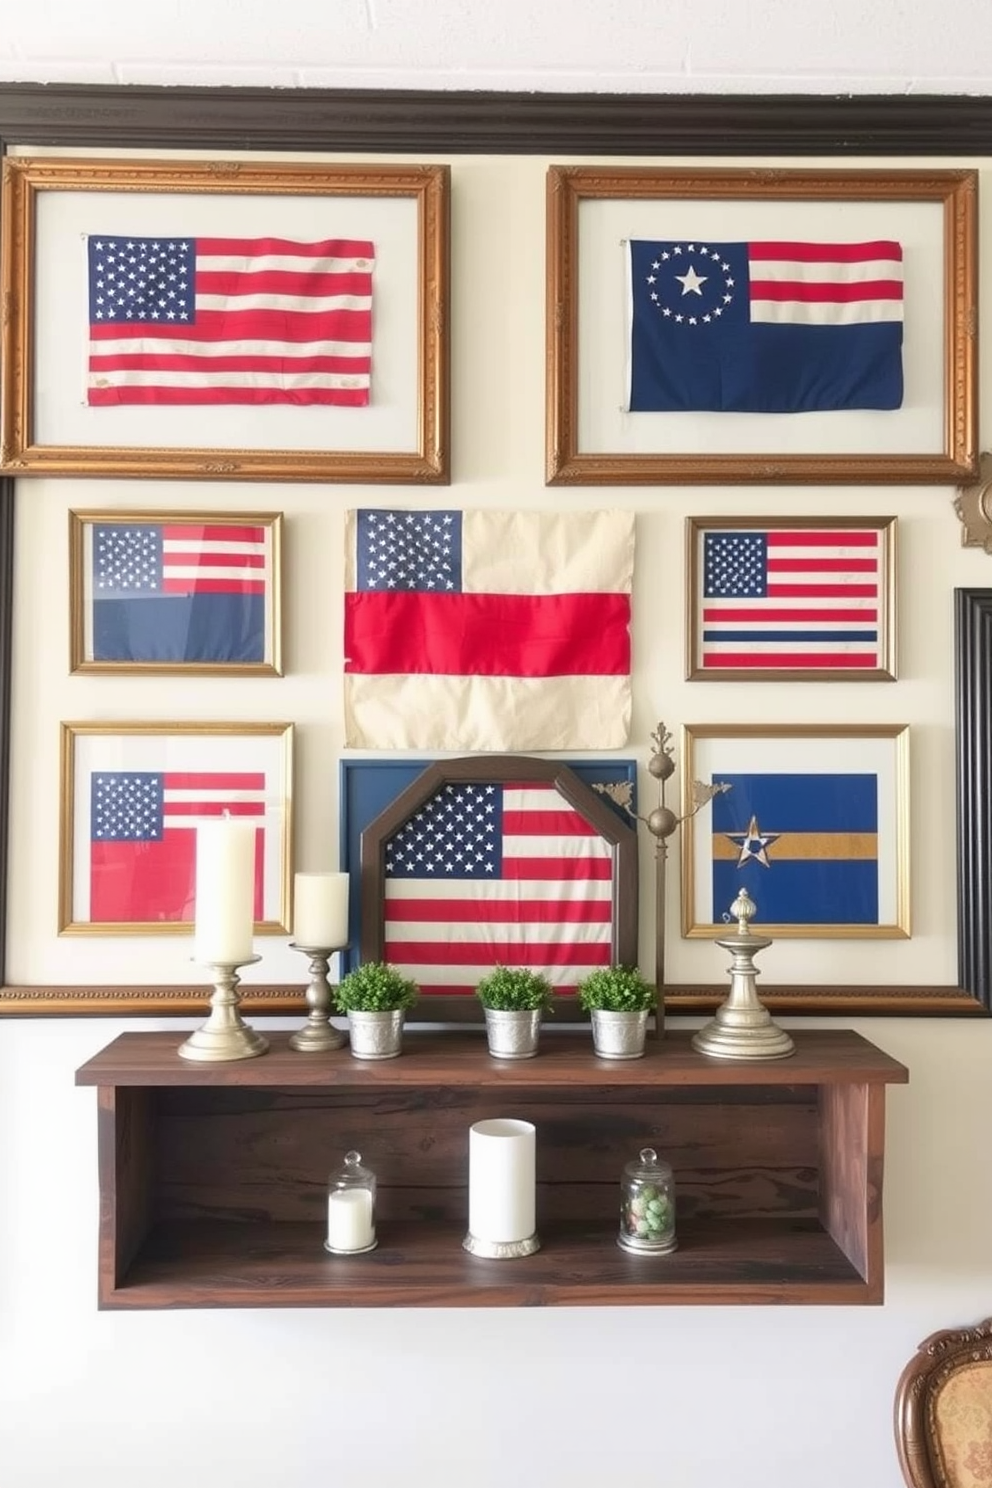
804,846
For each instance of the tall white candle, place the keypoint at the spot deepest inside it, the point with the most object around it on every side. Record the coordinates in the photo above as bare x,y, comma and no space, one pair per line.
501,1180
320,909
349,1219
225,891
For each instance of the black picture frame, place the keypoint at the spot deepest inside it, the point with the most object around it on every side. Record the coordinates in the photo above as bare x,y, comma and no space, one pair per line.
564,125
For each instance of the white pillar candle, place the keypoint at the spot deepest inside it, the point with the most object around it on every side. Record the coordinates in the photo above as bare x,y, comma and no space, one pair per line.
349,1219
320,909
225,891
501,1180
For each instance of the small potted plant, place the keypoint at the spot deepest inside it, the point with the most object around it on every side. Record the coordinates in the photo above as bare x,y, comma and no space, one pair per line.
375,997
619,1000
515,1000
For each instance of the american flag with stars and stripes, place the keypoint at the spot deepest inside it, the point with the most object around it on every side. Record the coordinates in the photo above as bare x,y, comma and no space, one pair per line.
229,320
484,875
784,598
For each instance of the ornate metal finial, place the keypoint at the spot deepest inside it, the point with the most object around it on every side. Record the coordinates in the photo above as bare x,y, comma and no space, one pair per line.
973,505
743,910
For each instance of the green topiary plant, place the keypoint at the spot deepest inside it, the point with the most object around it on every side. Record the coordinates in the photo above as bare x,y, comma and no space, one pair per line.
375,987
616,989
512,989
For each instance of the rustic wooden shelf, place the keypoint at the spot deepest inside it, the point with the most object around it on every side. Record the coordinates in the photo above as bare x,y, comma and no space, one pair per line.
213,1177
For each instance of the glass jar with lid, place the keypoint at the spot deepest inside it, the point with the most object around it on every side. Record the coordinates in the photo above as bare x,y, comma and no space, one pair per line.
647,1205
351,1208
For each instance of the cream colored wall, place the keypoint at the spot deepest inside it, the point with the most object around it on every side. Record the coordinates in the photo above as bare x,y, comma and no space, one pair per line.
688,1396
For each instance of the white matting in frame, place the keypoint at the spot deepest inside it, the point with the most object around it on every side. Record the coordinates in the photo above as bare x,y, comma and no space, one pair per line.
132,797
51,208
815,826
593,215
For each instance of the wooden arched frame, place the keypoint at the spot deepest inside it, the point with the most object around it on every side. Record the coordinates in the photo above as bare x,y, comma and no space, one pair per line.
496,770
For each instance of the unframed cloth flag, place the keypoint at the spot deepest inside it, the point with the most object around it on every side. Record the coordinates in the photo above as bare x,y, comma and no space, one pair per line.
229,320
804,846
765,327
143,839
487,630
784,598
488,874
179,592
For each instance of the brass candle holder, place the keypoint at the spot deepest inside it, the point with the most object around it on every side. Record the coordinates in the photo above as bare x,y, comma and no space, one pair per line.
318,1034
225,1035
742,1027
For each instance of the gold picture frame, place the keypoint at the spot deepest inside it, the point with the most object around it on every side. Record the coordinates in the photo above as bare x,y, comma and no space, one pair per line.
131,797
171,592
814,825
790,599
400,212
594,213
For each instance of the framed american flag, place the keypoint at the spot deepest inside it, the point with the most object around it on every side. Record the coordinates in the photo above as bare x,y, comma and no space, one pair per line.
225,320
167,591
805,599
458,865
132,797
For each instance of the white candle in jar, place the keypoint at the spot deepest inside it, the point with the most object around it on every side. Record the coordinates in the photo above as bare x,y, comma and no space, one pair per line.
225,891
501,1180
320,910
349,1219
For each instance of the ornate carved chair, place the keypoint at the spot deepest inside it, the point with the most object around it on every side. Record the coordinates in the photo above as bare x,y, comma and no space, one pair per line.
943,1411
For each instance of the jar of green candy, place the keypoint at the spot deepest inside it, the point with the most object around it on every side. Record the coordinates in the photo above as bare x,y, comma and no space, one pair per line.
647,1205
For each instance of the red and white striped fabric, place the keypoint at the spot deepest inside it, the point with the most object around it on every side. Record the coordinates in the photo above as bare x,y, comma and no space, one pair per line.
485,875
825,283
222,559
230,320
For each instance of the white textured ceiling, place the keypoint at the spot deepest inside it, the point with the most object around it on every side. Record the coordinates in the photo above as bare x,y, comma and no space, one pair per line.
663,46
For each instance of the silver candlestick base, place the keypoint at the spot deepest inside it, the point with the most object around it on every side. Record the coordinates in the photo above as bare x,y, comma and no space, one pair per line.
318,1033
225,1035
742,1027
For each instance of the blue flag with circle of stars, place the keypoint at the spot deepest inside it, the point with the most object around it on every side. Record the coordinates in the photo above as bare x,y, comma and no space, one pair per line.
765,327
804,846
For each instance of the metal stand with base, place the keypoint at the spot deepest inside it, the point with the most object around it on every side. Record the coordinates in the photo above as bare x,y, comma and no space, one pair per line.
225,1035
318,1034
742,1027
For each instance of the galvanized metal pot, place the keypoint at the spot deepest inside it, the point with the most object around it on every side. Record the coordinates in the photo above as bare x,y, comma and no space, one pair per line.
513,1035
618,1035
376,1035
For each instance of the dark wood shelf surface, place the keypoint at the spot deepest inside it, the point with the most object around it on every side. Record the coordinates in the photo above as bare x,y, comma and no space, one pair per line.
227,1264
460,1060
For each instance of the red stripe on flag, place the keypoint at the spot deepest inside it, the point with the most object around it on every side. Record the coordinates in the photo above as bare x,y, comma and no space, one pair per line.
557,868
818,293
826,252
488,635
214,780
496,953
283,282
215,808
339,397
822,565
823,591
538,823
217,327
214,533
256,247
763,612
841,538
819,659
137,361
213,559
499,911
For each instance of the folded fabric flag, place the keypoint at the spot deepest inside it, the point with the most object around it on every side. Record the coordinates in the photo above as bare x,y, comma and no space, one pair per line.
487,629
765,327
229,320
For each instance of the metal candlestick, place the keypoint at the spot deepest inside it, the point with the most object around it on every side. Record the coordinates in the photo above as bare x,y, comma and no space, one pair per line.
742,1027
318,1033
225,1035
